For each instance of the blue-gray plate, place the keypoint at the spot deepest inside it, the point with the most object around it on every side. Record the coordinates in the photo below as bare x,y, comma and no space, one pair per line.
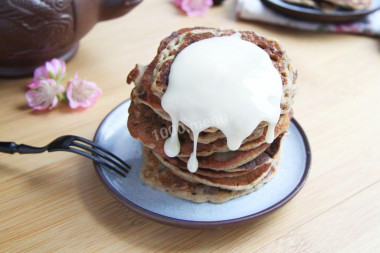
161,207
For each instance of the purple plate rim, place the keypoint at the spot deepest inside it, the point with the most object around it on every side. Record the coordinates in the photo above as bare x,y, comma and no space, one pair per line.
203,224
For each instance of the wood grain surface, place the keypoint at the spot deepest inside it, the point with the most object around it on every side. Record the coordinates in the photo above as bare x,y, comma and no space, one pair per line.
55,201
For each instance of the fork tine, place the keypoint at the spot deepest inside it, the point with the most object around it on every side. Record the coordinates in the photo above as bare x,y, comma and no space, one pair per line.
107,156
97,154
99,148
106,162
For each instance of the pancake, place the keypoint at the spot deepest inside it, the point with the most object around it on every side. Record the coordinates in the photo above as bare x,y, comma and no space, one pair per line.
265,157
230,160
237,181
147,127
227,161
242,182
157,176
154,77
210,134
207,136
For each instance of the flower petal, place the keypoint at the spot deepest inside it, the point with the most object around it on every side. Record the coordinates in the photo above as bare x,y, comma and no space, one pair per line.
177,3
40,73
56,69
43,94
196,7
82,93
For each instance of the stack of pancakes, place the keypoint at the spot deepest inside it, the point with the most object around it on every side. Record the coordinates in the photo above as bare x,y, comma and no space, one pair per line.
222,174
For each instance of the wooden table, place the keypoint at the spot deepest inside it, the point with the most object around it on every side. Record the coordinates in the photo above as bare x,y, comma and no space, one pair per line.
55,201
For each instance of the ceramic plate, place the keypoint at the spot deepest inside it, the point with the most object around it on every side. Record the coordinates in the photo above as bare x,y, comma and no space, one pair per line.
305,13
159,206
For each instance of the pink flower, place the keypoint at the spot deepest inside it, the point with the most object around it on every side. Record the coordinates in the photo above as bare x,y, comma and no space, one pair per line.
43,94
46,89
82,93
194,7
177,3
54,69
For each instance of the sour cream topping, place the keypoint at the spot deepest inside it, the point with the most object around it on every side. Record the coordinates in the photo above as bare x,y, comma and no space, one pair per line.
223,82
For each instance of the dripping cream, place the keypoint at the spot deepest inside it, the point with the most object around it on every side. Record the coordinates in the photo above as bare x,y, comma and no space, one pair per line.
224,78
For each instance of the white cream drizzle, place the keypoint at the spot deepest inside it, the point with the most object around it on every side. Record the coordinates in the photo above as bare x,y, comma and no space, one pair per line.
222,82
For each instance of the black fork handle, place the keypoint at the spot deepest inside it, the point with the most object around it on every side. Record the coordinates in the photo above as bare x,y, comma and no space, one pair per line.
12,147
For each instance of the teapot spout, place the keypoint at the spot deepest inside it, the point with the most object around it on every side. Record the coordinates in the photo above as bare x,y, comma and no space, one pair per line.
110,9
89,12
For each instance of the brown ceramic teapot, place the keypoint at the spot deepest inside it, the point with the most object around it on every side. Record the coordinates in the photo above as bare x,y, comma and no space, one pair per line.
35,31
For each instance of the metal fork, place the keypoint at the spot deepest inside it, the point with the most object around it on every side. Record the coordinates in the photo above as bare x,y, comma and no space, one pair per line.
75,144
